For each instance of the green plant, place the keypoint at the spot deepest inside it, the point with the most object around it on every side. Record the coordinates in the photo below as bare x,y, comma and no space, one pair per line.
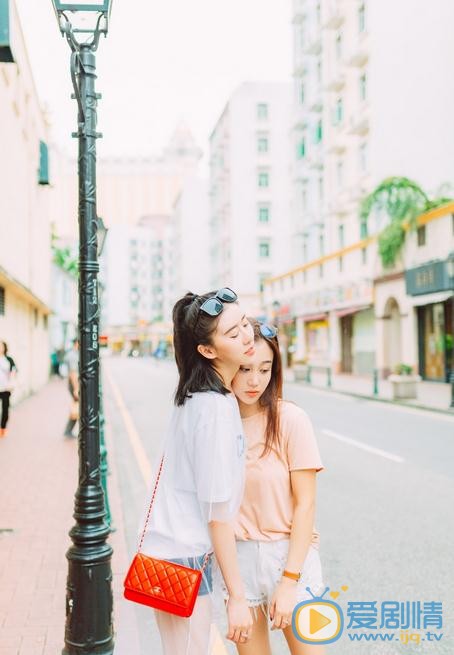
403,369
402,200
64,258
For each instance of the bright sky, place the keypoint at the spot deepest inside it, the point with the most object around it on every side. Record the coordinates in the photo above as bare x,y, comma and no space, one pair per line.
163,60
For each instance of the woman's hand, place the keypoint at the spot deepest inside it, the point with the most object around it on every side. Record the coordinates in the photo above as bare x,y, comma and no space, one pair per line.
283,603
240,620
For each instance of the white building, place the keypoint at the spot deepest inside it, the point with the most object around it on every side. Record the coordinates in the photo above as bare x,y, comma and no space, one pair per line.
370,102
189,269
250,190
25,257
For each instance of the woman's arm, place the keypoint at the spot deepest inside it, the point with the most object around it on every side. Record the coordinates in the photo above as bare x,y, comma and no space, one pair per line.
304,490
238,612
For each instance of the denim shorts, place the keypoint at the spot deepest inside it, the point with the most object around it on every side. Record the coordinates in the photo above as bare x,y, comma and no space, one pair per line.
261,564
206,585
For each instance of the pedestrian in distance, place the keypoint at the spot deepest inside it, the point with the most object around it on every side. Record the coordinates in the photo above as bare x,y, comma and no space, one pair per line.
277,542
72,362
8,372
202,477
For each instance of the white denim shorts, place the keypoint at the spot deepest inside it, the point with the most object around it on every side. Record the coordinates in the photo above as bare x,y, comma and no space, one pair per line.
261,565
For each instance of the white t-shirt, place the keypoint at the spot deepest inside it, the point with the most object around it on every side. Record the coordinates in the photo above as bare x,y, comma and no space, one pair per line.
202,478
5,373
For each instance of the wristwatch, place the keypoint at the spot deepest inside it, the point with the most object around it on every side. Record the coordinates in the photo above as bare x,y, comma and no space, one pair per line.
291,575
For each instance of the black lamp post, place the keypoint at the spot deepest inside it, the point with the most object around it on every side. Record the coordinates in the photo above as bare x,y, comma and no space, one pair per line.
89,627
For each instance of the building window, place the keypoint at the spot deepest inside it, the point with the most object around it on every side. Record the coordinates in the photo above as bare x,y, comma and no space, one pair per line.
262,110
318,132
43,171
2,301
318,13
363,230
364,256
321,244
341,264
262,144
319,71
264,249
301,149
341,236
304,200
361,18
363,158
263,179
339,112
320,189
363,87
339,46
302,94
320,270
340,173
264,214
421,235
304,253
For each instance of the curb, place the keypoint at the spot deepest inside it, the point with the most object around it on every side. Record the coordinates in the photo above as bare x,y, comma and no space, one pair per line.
379,399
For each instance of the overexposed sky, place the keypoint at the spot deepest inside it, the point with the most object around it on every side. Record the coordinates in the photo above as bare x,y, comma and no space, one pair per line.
163,60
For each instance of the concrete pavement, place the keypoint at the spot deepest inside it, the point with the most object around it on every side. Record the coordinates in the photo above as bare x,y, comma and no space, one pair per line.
38,473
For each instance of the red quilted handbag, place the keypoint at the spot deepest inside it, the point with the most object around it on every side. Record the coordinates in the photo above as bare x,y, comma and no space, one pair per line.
164,585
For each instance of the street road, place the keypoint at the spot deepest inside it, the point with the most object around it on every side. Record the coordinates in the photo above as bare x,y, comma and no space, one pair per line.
384,501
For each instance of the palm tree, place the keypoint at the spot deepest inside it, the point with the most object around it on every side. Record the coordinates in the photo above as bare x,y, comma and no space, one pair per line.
403,200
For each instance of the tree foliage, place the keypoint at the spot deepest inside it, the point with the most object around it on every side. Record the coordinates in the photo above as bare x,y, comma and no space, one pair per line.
402,200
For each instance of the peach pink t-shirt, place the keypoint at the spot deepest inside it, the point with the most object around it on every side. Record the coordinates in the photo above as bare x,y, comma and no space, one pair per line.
266,511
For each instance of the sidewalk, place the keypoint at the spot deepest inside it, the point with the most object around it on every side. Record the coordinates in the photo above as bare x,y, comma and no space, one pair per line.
431,395
38,473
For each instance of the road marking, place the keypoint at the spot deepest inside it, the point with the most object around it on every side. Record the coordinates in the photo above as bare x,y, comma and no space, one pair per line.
146,471
363,446
136,443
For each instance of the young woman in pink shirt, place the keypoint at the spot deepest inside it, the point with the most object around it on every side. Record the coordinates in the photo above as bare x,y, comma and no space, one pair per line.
277,543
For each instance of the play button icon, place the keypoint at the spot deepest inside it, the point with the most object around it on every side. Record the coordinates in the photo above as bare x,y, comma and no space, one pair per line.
317,621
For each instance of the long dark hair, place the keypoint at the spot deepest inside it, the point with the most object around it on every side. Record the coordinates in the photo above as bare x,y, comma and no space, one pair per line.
272,395
191,327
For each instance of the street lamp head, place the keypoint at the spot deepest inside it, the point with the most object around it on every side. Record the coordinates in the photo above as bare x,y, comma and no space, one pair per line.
101,232
89,17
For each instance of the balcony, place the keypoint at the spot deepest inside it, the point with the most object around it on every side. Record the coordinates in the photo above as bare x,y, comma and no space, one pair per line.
315,101
359,55
336,80
359,124
314,43
334,15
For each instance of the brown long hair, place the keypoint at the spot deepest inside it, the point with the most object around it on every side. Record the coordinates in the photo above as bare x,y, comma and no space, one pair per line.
273,393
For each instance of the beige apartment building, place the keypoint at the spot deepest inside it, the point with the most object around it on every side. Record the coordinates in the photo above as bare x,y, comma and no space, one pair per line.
25,258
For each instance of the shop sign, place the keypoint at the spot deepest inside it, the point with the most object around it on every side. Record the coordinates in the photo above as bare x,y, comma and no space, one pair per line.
337,297
428,278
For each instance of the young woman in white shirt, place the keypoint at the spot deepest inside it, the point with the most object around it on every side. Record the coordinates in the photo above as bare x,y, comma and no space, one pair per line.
202,479
277,543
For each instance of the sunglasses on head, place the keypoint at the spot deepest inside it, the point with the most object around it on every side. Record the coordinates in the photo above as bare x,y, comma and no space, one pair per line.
213,306
268,331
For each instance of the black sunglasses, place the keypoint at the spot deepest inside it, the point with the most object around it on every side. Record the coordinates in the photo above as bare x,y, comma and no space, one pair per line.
268,331
213,306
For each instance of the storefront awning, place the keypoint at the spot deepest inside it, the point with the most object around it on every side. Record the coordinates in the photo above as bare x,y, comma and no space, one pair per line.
431,298
351,310
315,317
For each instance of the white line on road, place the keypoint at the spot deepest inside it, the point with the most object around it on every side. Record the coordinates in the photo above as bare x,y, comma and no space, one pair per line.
136,443
363,446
